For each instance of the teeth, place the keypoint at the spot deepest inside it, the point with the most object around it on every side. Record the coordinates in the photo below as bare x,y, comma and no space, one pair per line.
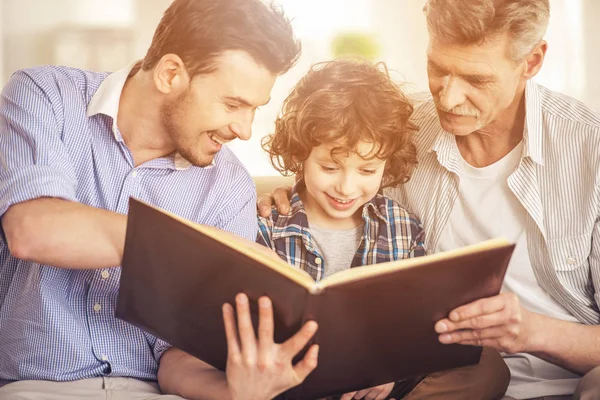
216,139
342,201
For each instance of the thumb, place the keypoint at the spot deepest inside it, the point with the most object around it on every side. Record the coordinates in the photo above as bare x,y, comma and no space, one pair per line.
307,364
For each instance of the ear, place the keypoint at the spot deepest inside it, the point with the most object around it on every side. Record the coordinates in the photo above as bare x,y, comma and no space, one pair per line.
170,75
535,59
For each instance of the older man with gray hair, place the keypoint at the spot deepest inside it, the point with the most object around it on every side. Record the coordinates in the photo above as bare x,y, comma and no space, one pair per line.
500,155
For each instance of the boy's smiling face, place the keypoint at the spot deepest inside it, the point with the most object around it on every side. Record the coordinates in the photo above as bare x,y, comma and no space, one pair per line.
338,187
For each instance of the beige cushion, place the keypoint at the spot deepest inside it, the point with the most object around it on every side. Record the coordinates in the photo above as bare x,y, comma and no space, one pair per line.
266,184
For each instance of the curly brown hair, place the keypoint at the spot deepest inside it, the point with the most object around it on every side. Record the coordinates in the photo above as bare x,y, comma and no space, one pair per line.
345,102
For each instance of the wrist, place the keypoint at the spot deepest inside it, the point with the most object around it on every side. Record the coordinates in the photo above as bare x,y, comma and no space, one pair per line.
537,333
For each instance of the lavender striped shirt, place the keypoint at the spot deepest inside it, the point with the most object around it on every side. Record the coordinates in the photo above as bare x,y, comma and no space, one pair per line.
59,138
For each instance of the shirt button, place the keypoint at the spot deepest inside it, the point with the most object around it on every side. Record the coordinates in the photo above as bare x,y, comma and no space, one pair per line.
97,307
134,173
104,274
104,357
571,260
318,261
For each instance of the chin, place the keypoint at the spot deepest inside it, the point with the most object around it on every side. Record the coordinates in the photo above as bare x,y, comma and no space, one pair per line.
459,130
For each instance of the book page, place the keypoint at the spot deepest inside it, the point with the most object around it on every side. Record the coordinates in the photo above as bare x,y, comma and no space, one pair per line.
254,250
354,274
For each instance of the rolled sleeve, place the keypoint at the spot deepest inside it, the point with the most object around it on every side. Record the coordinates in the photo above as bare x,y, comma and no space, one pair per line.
34,162
160,347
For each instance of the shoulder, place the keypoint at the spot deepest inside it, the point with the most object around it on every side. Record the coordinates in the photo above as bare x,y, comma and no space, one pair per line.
572,130
394,212
59,81
230,175
425,118
568,109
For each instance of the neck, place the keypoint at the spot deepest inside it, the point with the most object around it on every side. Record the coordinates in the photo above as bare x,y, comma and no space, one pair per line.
491,143
139,118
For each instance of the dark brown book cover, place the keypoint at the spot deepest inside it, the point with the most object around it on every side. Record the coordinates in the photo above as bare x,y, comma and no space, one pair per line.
375,323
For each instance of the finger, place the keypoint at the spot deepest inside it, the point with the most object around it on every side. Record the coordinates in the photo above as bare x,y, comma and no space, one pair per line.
382,395
484,343
263,204
307,364
281,197
499,318
246,330
265,327
233,347
385,391
482,306
495,332
293,345
361,394
348,396
370,394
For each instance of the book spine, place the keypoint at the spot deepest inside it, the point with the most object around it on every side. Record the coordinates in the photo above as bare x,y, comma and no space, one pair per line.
311,313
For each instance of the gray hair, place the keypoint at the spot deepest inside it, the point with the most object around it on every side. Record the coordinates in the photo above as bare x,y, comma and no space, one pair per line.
466,22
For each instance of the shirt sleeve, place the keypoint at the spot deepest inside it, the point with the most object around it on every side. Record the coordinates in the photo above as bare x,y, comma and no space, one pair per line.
160,347
239,214
34,161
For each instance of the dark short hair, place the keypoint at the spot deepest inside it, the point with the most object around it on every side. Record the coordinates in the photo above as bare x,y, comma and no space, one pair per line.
198,31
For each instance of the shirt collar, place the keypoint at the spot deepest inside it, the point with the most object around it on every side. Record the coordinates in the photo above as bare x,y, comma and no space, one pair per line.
444,142
106,101
532,133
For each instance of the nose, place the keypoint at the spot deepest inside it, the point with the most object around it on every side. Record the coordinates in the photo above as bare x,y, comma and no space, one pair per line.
452,93
345,185
243,128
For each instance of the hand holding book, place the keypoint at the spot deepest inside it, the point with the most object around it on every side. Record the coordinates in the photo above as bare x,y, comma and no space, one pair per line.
264,363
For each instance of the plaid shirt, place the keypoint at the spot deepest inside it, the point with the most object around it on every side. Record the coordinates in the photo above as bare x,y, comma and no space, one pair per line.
390,233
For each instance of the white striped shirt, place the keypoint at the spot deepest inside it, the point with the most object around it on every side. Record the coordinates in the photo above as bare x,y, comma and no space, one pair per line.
557,182
58,139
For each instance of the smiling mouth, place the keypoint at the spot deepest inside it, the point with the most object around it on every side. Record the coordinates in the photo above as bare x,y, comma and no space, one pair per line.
217,139
342,201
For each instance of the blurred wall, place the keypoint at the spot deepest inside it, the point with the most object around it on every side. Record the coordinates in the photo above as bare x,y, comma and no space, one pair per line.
75,32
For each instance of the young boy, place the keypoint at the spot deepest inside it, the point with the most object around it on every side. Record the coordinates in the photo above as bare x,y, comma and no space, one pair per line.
345,132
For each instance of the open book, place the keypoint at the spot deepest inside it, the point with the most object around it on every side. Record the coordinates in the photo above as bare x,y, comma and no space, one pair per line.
375,322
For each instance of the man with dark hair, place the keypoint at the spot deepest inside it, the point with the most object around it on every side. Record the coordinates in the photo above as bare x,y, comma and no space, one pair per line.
75,145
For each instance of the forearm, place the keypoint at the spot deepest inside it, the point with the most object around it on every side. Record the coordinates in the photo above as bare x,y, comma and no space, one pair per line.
570,345
65,234
186,376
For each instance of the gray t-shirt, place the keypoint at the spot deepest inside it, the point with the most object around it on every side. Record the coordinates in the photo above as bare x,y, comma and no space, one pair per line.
337,246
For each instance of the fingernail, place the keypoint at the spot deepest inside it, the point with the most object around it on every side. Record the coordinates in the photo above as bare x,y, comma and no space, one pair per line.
445,338
264,302
241,298
441,327
454,316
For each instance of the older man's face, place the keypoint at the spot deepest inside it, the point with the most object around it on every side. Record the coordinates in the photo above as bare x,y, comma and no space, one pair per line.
472,85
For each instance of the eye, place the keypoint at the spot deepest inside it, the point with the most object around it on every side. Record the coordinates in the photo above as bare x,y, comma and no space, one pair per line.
232,107
328,169
369,171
